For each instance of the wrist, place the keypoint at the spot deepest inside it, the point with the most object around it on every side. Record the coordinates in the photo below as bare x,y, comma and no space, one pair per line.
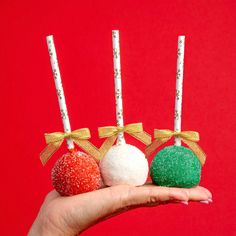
43,226
35,229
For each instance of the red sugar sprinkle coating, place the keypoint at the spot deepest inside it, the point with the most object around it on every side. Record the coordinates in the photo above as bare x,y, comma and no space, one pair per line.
74,173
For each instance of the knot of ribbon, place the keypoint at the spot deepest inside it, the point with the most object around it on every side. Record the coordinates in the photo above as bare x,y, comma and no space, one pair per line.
79,136
111,133
190,138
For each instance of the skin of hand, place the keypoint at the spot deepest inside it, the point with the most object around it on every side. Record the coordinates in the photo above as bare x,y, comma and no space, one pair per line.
69,216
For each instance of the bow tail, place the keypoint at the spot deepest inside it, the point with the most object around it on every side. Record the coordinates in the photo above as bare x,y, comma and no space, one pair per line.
196,150
49,150
107,144
142,136
88,147
154,145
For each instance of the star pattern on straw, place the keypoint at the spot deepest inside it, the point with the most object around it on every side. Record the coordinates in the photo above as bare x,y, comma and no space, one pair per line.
179,52
114,34
118,94
119,115
177,115
116,52
63,114
49,49
178,74
59,93
117,73
177,94
55,74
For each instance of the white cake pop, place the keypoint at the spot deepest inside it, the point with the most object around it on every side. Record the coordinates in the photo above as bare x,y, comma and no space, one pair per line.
124,164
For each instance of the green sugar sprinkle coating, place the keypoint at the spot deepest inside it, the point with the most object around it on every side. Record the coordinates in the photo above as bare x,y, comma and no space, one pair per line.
175,166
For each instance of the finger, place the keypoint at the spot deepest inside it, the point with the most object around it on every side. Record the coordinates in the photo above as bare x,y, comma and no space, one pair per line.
151,197
197,194
150,194
209,194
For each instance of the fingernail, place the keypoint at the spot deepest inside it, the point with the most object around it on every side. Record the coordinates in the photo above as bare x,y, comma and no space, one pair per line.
210,200
184,202
205,202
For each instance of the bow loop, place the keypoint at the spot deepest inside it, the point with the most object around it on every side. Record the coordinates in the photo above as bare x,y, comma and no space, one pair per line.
162,133
190,135
133,128
108,131
54,137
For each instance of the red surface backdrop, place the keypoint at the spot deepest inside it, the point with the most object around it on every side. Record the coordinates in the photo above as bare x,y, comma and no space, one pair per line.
148,30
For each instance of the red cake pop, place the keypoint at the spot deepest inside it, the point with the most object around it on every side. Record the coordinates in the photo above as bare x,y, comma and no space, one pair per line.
75,172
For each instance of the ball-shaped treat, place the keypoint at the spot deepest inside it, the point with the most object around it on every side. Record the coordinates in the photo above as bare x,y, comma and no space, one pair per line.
74,173
176,166
124,164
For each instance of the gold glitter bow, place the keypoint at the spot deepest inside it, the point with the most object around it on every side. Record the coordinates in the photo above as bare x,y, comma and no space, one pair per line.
79,136
111,133
190,138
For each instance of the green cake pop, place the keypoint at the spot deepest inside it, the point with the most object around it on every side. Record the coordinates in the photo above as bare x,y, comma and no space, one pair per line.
177,166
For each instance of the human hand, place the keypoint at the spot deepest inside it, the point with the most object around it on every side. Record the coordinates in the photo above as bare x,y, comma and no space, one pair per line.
71,215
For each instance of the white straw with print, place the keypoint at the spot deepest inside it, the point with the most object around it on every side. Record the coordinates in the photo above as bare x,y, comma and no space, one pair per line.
59,88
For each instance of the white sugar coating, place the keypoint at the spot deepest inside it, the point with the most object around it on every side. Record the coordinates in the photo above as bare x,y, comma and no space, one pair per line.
124,164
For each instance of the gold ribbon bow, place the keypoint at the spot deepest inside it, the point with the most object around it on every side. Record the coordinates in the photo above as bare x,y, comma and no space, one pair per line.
190,138
111,133
55,140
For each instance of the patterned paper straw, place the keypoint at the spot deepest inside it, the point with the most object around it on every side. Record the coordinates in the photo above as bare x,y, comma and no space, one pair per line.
118,87
179,87
59,88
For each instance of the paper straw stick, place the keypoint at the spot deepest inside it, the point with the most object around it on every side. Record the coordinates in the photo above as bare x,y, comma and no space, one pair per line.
118,87
179,87
59,88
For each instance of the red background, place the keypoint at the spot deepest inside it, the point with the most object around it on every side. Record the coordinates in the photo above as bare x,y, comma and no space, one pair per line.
148,31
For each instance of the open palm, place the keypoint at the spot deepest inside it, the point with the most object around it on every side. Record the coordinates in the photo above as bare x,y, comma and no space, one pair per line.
72,215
